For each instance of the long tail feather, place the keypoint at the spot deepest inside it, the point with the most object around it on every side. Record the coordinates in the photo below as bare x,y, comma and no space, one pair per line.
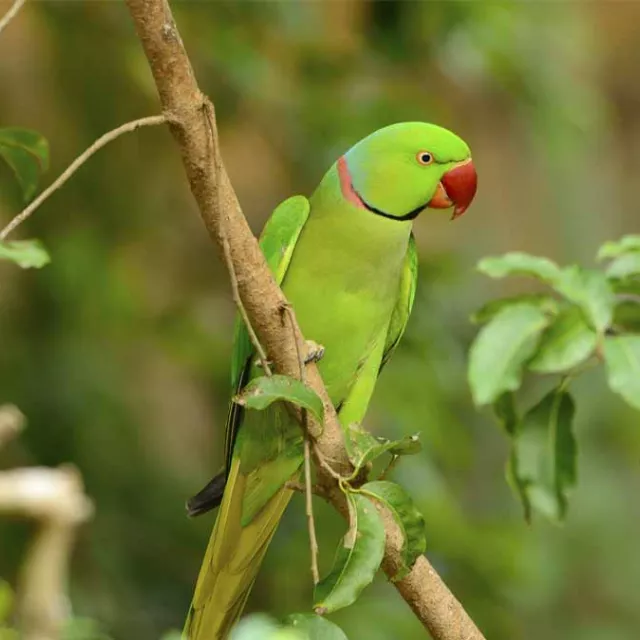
232,561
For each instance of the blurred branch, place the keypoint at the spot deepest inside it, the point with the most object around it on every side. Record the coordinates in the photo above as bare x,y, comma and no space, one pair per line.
11,14
11,423
191,119
54,497
76,164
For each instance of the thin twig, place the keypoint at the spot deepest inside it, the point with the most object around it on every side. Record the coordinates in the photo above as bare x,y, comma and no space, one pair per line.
76,164
217,161
262,356
389,468
11,14
313,540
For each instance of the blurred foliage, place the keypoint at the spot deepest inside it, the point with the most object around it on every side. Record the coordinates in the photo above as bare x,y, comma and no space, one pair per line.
564,336
118,351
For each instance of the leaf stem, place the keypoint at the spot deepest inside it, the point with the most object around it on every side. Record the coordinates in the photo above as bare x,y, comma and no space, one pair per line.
76,164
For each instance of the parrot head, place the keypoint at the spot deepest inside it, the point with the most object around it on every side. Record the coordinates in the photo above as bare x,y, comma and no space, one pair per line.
405,168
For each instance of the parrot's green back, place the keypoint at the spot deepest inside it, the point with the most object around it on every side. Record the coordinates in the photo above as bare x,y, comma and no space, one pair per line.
350,276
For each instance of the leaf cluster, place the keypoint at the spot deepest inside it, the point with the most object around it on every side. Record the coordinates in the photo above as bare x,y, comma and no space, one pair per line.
27,153
587,317
361,550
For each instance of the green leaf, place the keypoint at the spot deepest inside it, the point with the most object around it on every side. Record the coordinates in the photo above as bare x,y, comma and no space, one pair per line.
619,247
363,447
622,357
357,559
408,518
518,486
25,253
568,342
544,302
627,265
506,413
407,446
628,286
500,350
263,391
27,153
589,290
626,316
261,627
315,627
520,264
6,601
544,450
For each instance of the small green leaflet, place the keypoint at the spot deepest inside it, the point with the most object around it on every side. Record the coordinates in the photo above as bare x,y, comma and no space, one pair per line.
520,264
488,311
315,627
27,153
619,247
544,455
626,266
589,290
506,413
362,447
357,560
259,626
408,518
568,342
622,358
265,390
25,253
629,286
500,350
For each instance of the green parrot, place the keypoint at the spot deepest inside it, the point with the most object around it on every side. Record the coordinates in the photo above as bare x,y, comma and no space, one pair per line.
346,260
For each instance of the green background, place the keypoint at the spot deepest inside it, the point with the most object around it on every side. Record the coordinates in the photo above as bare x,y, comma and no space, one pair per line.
118,352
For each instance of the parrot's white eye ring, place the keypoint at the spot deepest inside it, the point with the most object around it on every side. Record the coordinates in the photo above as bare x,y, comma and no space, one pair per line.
424,157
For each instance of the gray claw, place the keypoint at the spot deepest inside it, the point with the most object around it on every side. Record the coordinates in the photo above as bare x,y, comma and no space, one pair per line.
315,352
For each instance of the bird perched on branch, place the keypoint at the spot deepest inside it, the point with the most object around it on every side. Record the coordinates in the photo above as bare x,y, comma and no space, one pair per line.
346,260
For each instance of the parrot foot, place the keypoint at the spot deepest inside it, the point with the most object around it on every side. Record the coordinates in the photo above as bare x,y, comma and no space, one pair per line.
258,363
315,352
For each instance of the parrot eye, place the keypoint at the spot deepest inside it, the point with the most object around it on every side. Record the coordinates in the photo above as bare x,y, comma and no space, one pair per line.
424,157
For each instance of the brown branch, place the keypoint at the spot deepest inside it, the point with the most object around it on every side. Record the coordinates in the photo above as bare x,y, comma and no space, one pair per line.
76,164
197,138
11,14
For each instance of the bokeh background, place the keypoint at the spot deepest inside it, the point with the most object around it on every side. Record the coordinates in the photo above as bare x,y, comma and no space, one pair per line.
118,352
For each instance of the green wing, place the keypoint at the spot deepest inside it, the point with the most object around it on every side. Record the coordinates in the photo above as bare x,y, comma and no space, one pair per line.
404,303
277,241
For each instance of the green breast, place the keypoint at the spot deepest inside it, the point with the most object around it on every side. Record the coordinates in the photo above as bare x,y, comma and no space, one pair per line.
343,281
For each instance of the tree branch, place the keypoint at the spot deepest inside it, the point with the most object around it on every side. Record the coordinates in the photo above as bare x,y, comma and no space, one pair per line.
197,138
76,164
11,14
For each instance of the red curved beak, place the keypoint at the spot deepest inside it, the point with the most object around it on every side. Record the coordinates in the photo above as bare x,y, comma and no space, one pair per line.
456,189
